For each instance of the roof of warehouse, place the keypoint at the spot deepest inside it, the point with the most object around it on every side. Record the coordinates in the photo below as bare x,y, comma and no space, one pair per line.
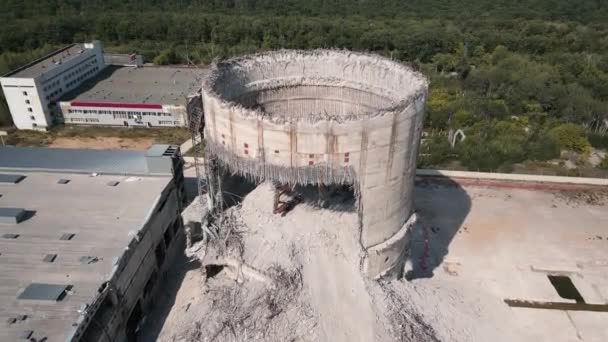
47,63
37,265
150,85
74,160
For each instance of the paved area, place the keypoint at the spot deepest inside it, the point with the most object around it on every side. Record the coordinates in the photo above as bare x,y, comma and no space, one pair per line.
507,241
474,247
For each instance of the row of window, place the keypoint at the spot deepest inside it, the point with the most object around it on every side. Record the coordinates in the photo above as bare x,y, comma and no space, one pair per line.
80,69
84,120
82,77
54,94
97,120
51,85
116,112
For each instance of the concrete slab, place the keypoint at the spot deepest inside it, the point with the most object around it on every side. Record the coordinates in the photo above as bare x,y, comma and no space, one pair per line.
508,240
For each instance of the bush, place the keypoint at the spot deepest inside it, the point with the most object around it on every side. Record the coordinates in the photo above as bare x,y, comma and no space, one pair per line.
543,148
492,146
571,137
435,151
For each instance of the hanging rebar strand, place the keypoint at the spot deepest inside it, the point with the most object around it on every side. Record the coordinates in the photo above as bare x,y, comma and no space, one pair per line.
215,201
277,196
323,201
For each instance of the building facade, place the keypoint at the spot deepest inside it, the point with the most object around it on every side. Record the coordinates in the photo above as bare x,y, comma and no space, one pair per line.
33,90
123,114
127,96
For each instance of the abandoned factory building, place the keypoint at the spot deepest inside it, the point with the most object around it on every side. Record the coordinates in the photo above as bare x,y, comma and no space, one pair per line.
85,236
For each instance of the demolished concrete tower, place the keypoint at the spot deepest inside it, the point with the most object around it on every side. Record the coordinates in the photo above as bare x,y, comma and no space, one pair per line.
324,117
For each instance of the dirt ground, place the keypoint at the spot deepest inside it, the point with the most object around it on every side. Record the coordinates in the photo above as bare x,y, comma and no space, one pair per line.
472,248
103,143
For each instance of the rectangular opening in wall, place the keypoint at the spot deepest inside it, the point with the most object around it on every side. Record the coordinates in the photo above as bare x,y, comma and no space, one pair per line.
565,288
168,236
150,284
160,254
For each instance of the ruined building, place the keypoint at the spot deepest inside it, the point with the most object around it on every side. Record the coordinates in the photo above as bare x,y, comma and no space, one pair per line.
322,118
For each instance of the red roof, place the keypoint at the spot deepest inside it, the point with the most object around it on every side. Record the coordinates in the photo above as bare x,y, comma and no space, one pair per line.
116,105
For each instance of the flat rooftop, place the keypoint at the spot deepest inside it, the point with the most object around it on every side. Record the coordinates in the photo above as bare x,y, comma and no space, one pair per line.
71,234
483,243
154,85
47,63
120,162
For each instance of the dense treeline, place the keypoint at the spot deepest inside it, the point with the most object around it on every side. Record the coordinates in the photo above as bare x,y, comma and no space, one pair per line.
515,76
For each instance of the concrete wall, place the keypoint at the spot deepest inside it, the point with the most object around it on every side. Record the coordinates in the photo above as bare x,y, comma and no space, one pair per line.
138,271
19,90
324,117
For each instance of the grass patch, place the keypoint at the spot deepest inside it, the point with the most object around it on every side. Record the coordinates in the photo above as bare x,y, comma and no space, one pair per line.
28,138
175,136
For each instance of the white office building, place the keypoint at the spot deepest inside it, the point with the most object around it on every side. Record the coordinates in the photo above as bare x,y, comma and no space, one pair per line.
33,90
127,96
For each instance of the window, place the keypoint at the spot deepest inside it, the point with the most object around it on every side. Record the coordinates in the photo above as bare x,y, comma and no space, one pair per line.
29,109
167,236
27,101
32,117
159,252
25,93
34,125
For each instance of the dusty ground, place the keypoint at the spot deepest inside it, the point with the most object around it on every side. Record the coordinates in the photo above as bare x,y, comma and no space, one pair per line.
472,248
98,137
103,143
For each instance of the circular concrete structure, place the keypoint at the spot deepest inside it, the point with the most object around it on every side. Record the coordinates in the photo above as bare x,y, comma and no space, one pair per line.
324,117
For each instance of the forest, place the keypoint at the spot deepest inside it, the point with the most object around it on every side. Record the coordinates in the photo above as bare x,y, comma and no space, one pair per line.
525,81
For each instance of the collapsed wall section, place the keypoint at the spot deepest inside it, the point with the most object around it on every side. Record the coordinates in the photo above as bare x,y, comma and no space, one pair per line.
324,117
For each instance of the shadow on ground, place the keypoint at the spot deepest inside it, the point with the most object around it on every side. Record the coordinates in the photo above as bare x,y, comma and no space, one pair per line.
442,206
166,296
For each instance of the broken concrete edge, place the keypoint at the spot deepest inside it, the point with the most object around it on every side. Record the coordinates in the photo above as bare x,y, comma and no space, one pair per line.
382,260
511,177
241,64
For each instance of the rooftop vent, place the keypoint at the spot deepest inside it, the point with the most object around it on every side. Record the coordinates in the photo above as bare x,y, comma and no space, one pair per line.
113,183
10,236
26,334
67,236
11,179
43,291
50,258
88,259
63,181
12,215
